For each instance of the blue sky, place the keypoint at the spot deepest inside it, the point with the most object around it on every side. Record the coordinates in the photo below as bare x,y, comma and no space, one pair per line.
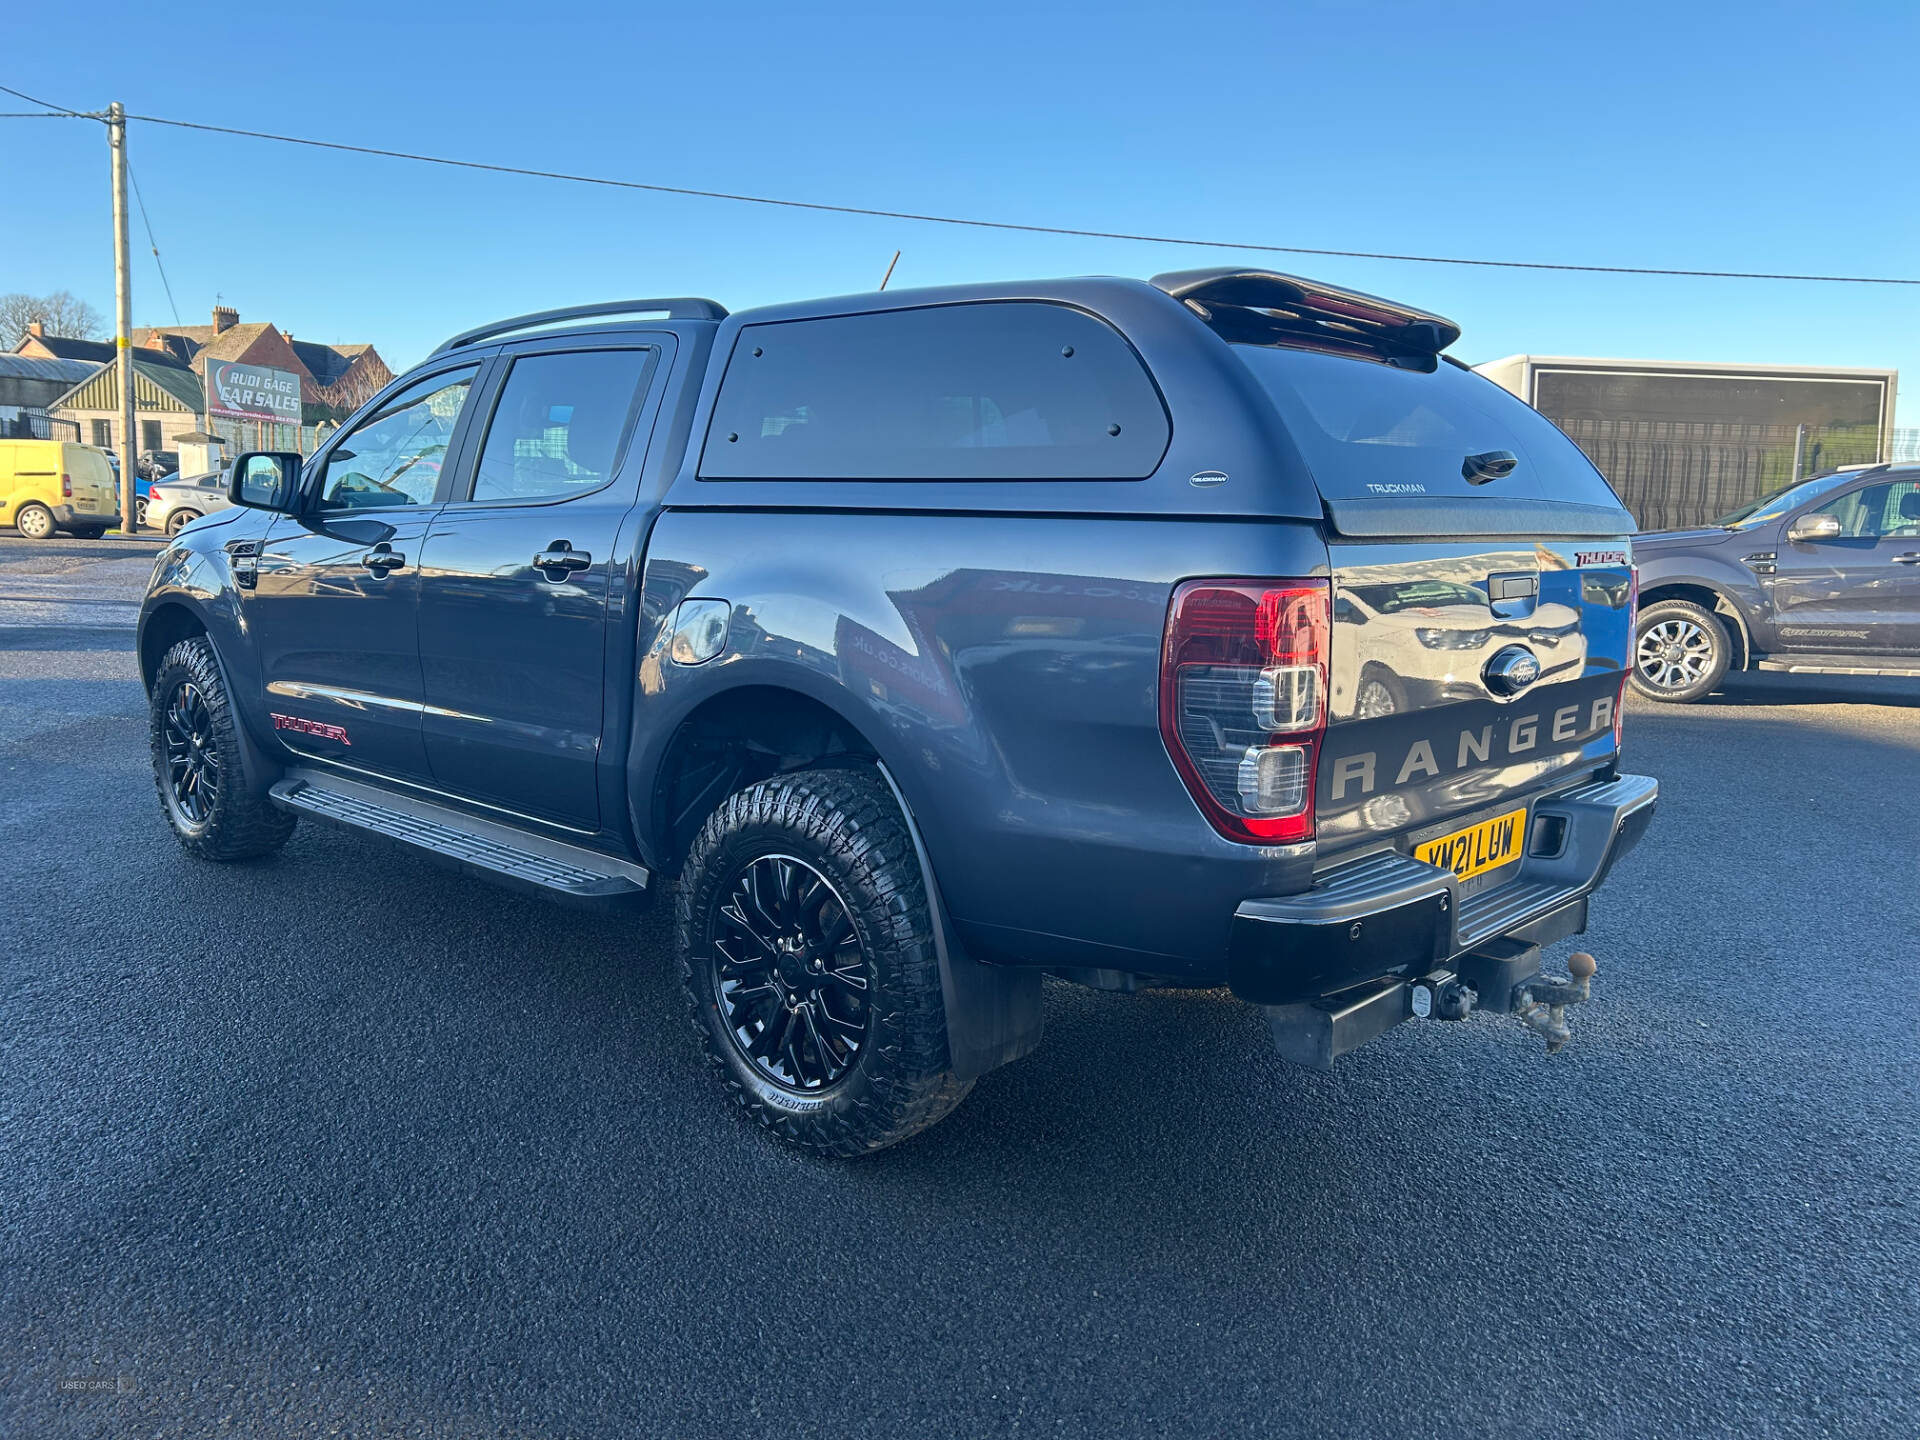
1723,136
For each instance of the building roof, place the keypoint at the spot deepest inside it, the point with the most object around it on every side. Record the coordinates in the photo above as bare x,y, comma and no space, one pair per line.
65,347
155,387
35,367
326,363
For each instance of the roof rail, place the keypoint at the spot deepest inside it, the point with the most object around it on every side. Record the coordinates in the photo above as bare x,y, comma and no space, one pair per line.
1309,307
684,307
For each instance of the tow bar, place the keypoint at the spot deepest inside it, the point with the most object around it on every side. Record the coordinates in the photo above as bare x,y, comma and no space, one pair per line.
1506,979
1501,978
1544,1002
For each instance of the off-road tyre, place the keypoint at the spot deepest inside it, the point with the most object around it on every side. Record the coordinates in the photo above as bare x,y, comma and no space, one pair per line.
845,827
35,522
1701,642
236,822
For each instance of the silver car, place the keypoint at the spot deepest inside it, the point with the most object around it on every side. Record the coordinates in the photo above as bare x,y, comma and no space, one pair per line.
176,502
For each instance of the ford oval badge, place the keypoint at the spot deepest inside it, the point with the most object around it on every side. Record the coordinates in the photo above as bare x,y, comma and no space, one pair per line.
1511,670
1207,479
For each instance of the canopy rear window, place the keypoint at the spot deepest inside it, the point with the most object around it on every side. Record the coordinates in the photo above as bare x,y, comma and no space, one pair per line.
1371,431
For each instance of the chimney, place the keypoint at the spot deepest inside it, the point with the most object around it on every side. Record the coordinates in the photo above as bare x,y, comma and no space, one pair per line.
225,317
37,329
287,335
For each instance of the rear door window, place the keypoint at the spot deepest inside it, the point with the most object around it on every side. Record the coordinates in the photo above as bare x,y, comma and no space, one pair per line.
560,423
999,391
1370,430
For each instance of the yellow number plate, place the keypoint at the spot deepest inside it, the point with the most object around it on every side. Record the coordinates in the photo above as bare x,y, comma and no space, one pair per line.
1478,848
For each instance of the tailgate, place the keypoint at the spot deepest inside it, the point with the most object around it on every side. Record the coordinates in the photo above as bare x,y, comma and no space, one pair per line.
1464,675
1481,595
92,477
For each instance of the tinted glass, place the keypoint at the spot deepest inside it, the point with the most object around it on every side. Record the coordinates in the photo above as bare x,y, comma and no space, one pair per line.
1902,515
1016,391
1372,430
557,428
1778,504
393,457
1877,512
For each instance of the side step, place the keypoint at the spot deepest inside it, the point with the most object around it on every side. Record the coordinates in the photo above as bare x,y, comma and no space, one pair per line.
1809,664
502,853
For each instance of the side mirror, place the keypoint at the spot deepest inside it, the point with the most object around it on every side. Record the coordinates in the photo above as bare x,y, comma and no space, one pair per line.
1814,527
266,480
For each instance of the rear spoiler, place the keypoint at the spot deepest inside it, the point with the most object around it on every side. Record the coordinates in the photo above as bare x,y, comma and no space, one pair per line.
1260,305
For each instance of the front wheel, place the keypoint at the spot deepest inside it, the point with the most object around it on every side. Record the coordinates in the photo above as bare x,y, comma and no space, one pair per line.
807,950
196,762
1680,651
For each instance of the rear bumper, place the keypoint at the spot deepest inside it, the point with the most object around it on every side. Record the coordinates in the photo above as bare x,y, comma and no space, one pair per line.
66,515
1388,917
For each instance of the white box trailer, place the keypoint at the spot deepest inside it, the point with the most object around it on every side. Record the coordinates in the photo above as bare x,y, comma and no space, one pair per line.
1683,443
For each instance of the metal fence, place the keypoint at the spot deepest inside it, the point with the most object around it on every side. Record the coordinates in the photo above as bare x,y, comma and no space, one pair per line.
1673,473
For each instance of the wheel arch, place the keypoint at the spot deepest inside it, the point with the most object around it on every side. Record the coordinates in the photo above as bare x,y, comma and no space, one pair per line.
164,625
1712,599
733,736
766,725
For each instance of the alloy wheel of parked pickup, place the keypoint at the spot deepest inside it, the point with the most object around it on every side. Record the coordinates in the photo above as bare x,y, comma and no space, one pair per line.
193,764
1674,654
789,974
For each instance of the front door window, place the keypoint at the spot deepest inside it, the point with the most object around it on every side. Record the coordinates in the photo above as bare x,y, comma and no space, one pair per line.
394,457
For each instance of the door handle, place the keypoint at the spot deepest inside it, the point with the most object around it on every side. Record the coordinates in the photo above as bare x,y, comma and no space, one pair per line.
382,558
562,557
1912,557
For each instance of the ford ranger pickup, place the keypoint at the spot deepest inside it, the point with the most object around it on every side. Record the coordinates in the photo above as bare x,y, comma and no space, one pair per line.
1218,630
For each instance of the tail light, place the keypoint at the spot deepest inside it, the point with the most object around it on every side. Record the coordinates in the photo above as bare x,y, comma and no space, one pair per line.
66,487
1243,702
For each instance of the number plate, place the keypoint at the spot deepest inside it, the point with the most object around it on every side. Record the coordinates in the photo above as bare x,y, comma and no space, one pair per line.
1478,848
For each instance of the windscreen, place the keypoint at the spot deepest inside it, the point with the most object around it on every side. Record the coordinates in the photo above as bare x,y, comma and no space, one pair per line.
1369,430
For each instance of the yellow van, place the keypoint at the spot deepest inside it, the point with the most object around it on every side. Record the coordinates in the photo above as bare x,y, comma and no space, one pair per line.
49,485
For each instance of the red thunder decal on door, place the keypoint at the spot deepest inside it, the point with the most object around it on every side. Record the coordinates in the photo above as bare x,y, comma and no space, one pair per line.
304,726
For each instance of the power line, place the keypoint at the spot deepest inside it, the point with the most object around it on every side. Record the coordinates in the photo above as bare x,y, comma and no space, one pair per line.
49,105
153,243
1007,224
979,224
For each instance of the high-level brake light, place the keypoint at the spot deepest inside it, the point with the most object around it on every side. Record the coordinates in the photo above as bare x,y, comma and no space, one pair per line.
1243,702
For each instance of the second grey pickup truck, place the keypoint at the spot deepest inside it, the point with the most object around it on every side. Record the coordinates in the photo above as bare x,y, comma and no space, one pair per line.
1214,630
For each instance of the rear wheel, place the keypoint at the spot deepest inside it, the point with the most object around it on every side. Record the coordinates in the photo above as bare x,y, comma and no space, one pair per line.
807,950
180,519
35,522
1680,651
140,510
89,532
196,762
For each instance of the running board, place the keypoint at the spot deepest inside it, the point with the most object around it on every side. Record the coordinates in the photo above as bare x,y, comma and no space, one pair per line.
1900,665
501,853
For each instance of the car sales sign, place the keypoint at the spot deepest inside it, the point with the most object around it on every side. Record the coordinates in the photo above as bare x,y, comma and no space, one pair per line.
252,392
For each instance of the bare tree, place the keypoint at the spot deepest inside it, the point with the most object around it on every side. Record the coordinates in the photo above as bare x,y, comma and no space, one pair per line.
61,312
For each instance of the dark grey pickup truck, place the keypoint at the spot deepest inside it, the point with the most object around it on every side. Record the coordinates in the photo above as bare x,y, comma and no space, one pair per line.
1822,577
1217,630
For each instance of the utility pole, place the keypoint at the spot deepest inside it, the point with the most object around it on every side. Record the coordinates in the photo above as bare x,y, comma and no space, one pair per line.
123,316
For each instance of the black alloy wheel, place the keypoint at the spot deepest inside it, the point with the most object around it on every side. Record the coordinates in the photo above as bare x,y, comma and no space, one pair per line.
199,769
192,780
789,976
807,949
